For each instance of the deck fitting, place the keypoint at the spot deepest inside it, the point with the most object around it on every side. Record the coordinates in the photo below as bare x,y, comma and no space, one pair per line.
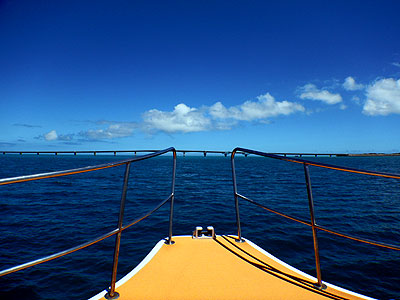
320,287
199,233
240,241
107,296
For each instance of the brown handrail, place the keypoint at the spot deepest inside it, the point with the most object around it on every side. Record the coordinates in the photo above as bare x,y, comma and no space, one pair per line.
315,164
118,231
315,227
84,169
366,241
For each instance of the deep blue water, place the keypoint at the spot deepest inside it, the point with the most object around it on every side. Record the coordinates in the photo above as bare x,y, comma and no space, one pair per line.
42,217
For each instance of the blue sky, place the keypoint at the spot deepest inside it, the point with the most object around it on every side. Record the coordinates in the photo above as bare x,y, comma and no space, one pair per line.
273,76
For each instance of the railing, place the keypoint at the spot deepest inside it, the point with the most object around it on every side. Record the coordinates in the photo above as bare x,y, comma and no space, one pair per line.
312,223
184,152
112,294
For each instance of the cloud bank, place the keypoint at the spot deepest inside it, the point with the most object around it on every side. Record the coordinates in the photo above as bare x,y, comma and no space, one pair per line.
185,119
217,117
383,98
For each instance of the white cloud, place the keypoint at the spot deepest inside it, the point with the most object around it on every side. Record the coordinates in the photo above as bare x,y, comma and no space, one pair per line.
396,64
181,119
217,117
219,111
310,91
117,130
351,85
51,136
187,119
383,98
265,107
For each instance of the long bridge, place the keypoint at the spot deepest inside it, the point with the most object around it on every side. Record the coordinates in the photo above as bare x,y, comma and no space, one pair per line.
184,152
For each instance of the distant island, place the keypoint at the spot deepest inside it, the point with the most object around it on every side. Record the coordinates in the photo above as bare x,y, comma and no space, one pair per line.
372,154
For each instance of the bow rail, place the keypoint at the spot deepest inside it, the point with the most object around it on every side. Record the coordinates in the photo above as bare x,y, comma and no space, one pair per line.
112,294
312,223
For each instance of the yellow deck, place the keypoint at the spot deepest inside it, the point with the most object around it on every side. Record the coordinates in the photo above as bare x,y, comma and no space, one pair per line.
206,269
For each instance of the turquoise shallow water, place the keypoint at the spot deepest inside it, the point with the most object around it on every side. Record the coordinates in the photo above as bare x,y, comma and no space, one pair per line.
46,216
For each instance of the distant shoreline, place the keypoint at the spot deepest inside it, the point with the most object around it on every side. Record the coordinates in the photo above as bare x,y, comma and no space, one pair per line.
375,154
196,152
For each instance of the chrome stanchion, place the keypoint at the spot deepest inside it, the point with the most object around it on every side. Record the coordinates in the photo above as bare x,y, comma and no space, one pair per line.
319,284
239,229
112,294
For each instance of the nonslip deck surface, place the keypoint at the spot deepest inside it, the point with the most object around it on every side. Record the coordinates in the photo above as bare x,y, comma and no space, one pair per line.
220,268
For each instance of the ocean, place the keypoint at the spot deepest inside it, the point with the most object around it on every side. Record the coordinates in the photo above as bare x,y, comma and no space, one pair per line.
50,215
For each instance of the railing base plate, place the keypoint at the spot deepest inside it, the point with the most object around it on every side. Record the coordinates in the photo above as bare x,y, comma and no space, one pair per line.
107,296
320,287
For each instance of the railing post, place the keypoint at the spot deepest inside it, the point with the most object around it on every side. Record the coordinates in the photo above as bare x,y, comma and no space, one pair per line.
239,229
319,284
171,211
112,294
